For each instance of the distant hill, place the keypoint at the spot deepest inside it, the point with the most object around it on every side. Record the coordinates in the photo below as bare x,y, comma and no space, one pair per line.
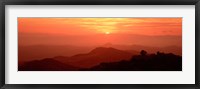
96,56
47,64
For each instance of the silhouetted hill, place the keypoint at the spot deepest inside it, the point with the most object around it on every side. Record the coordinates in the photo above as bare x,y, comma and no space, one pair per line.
151,62
47,64
107,59
96,56
28,53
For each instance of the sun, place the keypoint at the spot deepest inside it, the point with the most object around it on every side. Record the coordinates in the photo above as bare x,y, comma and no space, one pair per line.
107,33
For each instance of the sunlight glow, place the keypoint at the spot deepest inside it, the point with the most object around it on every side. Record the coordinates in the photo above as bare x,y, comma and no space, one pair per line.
107,33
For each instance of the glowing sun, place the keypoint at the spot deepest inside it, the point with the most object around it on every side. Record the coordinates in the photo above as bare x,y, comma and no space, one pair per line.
107,33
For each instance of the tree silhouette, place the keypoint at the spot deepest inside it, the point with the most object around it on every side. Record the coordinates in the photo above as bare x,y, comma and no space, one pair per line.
143,52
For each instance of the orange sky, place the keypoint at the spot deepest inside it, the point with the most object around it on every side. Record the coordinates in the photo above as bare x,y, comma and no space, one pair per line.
144,26
98,27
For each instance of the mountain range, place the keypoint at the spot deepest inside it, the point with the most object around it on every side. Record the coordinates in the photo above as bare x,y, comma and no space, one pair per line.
33,52
96,56
89,60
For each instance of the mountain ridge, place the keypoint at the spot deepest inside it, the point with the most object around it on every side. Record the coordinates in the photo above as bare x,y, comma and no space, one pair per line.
100,54
105,58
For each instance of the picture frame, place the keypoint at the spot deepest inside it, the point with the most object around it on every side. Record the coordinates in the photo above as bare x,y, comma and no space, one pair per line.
99,2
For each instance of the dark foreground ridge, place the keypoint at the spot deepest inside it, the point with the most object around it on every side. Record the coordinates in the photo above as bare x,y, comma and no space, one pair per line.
152,62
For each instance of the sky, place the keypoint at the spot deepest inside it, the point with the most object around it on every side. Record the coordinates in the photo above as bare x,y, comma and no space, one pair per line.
98,31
